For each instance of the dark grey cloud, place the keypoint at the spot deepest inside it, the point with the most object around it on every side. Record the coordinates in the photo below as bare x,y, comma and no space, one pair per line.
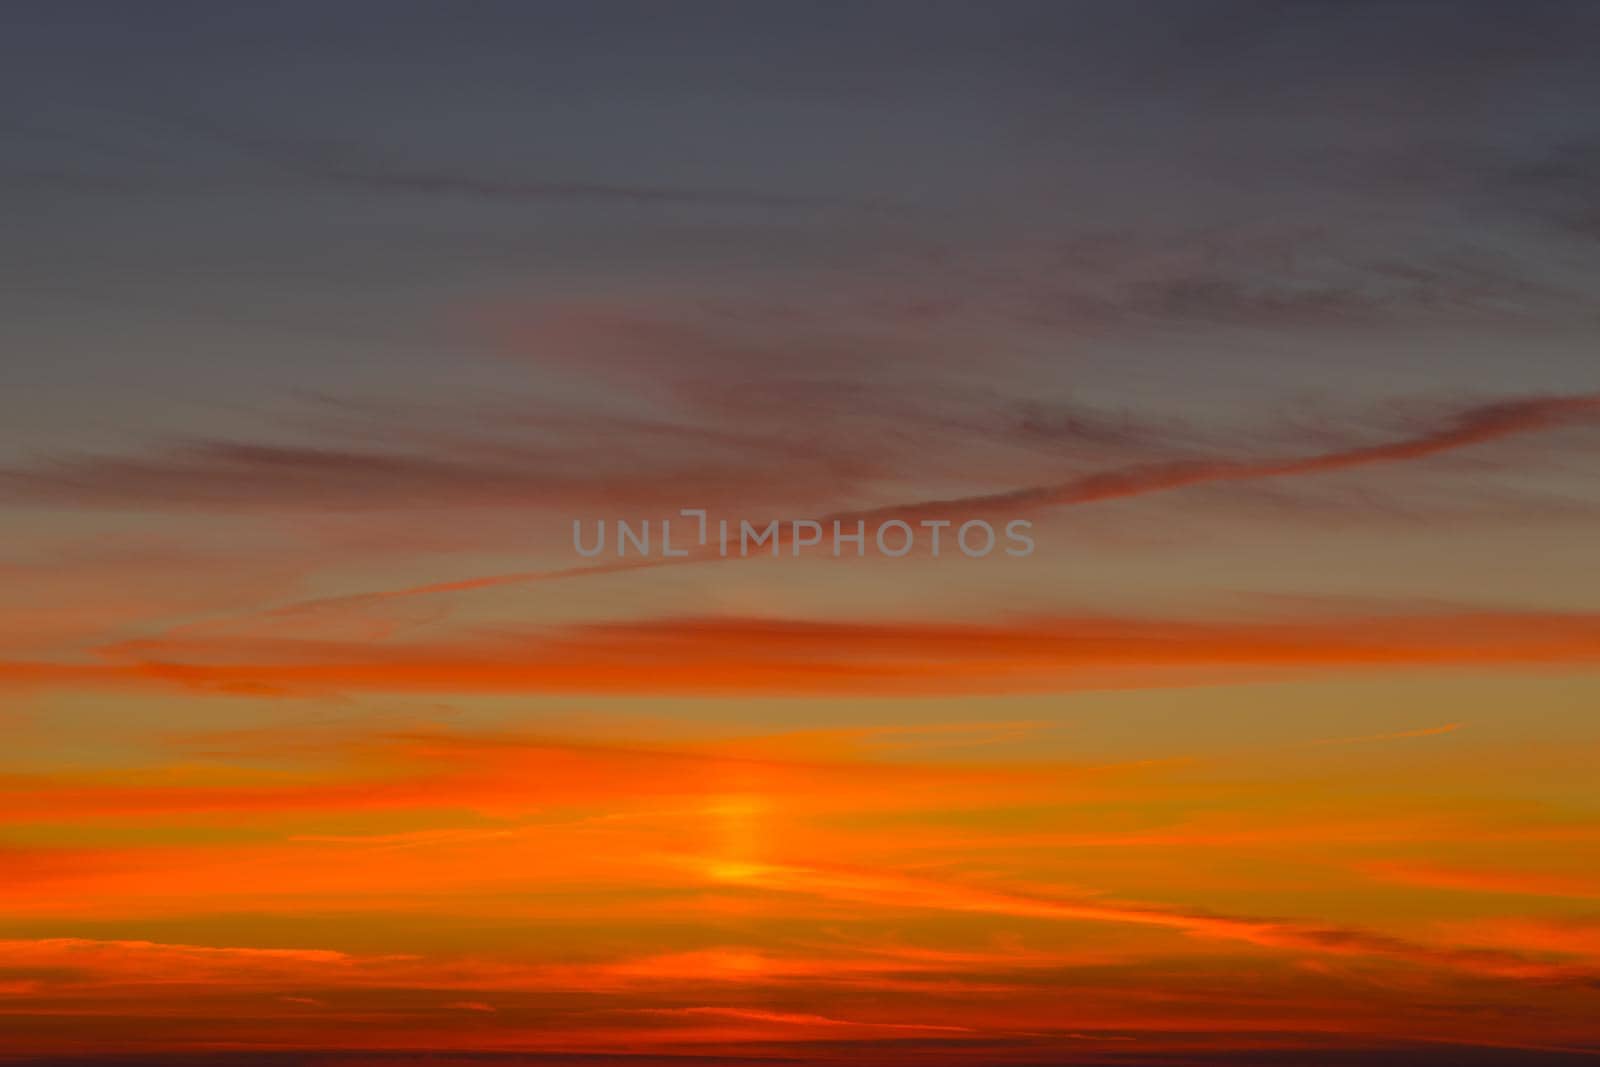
1070,173
1559,189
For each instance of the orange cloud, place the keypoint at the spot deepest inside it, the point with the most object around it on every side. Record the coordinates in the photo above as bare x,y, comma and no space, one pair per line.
732,656
1483,880
899,891
785,1018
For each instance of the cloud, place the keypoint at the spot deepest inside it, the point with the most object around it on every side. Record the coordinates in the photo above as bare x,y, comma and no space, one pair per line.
472,1005
764,655
1474,426
732,656
232,476
90,961
798,1019
1561,937
1554,189
1483,880
507,778
1481,424
369,168
1327,276
894,890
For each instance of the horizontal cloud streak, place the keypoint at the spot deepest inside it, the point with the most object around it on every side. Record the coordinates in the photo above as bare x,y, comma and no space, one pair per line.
733,656
1474,426
890,889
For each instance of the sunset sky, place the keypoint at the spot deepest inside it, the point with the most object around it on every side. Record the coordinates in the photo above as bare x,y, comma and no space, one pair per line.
321,324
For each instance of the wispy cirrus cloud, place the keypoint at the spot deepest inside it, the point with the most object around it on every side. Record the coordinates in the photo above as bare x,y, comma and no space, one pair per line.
1473,426
896,890
1466,428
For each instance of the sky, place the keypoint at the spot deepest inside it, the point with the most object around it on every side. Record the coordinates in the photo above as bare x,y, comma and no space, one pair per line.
323,326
